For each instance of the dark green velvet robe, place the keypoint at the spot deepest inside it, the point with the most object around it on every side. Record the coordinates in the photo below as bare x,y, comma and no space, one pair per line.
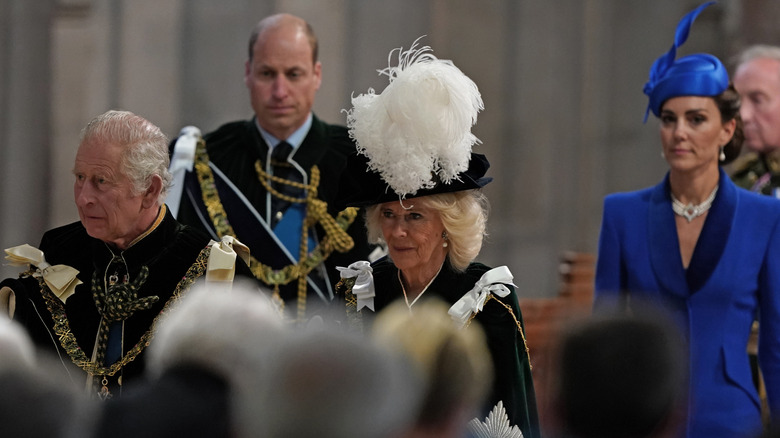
168,251
512,372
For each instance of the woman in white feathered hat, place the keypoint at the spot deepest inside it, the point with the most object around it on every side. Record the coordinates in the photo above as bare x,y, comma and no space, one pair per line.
420,182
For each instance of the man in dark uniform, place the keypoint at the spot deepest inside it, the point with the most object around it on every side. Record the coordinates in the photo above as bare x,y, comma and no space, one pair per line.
271,180
757,79
96,287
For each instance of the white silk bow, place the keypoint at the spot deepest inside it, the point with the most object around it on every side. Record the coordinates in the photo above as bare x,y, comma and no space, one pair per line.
61,279
182,162
493,281
364,283
222,259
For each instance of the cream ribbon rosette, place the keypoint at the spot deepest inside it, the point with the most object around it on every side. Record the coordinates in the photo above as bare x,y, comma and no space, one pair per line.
61,279
222,259
363,289
494,282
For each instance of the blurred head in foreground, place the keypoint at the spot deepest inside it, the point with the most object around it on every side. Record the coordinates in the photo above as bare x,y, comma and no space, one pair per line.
329,384
455,363
620,376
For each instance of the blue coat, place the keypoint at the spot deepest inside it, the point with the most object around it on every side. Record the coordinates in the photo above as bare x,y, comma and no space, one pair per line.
733,277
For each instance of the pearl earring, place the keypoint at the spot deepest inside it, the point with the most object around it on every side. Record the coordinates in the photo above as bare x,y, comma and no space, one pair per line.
722,156
444,236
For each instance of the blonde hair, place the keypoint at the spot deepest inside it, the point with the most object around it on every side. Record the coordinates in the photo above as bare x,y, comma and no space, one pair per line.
464,216
454,362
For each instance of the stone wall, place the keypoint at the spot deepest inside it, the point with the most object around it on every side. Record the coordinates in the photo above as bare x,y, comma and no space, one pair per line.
561,81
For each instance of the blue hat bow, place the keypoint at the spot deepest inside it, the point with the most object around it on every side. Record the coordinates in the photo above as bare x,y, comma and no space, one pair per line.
693,75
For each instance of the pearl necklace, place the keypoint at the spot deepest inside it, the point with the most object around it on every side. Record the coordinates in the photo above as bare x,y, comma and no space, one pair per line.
691,211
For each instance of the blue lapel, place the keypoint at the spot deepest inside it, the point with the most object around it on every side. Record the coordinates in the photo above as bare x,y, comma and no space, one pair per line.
714,235
663,243
665,247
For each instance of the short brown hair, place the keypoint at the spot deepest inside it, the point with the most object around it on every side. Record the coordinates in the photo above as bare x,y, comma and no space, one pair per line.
276,20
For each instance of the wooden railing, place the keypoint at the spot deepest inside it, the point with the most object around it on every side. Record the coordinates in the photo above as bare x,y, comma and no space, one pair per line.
545,318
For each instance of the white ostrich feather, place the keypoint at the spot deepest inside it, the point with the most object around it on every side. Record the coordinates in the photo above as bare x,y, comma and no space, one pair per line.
418,130
496,425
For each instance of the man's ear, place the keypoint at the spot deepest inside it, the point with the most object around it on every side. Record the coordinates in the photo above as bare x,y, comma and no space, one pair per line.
248,73
318,74
153,192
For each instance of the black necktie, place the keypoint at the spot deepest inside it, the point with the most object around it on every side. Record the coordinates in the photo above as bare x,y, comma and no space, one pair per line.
283,169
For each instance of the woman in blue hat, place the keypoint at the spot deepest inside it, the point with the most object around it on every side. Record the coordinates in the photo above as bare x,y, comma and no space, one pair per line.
698,246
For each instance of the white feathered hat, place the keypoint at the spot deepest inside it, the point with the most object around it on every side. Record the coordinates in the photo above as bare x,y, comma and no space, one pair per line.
416,134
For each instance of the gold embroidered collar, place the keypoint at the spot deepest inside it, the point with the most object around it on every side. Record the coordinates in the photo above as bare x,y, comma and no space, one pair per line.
68,339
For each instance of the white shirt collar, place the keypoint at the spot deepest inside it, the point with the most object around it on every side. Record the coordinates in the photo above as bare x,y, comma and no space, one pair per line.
295,139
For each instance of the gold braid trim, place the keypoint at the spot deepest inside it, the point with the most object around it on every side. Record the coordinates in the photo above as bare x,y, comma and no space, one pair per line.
336,237
354,316
68,339
519,326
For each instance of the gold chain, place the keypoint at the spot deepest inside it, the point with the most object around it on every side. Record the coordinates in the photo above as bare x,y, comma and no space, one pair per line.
519,326
354,316
68,339
265,177
336,237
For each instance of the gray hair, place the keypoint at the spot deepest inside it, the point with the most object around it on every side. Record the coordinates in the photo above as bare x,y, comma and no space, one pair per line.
34,386
218,330
758,51
314,378
144,147
16,345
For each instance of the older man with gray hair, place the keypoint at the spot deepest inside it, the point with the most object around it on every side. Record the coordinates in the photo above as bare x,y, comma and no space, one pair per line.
94,290
757,79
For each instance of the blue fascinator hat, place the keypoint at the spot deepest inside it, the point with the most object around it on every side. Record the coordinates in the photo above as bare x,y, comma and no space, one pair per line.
700,74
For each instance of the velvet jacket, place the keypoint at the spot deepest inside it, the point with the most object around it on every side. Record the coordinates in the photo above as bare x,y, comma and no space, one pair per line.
513,383
170,251
233,150
732,279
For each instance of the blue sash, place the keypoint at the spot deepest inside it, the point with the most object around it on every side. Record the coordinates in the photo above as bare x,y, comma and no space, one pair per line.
268,247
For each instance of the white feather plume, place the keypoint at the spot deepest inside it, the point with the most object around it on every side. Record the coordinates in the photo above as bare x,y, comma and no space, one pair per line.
418,130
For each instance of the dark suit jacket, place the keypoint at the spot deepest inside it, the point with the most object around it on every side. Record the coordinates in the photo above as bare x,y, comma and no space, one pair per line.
733,277
234,149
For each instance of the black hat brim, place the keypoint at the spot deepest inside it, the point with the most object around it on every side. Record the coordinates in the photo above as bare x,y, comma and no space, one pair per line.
361,187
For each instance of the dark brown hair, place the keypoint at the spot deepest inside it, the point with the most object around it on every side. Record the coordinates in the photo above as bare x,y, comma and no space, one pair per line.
728,104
